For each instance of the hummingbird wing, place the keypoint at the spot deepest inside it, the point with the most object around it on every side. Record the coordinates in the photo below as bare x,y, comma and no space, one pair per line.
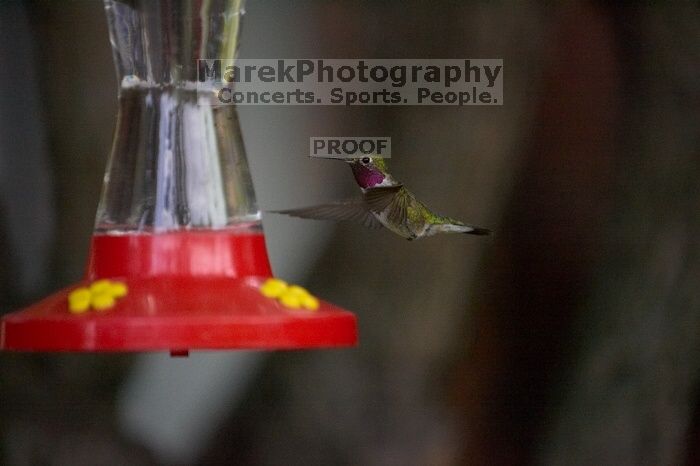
393,201
353,210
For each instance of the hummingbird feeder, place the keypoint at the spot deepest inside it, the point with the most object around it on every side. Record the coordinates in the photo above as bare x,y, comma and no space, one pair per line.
177,259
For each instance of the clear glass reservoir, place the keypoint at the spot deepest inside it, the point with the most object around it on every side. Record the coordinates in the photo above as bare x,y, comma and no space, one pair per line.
177,163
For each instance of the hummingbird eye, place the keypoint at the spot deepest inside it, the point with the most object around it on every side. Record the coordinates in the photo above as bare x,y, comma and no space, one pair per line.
365,160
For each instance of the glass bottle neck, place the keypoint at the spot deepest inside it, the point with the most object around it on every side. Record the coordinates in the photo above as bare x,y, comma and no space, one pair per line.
160,41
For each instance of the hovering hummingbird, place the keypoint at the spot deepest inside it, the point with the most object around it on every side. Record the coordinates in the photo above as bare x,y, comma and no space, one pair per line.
385,202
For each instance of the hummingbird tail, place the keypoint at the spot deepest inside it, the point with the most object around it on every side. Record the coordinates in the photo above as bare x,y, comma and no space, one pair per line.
477,231
461,228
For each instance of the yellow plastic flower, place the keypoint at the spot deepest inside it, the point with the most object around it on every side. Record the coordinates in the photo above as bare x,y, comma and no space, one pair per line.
273,287
79,300
102,301
291,296
310,302
297,290
100,286
290,300
100,295
118,289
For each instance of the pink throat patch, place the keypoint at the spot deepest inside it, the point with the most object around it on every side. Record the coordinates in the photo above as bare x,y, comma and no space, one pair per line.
366,177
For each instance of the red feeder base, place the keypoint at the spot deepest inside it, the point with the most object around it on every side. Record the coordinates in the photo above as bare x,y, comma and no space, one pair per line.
186,291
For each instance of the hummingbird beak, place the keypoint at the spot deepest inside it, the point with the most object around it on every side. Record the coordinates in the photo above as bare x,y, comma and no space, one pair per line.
342,159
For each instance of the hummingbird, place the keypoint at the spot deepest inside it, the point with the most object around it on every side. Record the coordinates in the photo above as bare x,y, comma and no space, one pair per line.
385,202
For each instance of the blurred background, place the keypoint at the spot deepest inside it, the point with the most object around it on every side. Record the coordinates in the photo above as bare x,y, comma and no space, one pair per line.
570,337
